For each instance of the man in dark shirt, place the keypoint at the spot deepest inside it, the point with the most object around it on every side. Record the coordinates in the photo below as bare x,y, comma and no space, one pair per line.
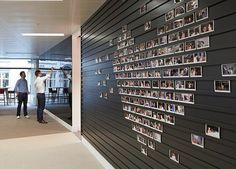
22,91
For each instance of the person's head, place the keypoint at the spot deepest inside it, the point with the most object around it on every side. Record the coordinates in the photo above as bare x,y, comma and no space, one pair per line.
38,73
22,74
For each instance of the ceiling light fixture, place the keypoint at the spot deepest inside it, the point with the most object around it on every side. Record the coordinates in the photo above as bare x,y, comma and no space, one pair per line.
43,34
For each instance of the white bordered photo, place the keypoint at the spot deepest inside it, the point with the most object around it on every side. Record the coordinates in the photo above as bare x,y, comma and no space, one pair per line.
143,9
203,42
191,5
124,28
189,19
228,69
212,131
197,140
207,27
174,156
169,15
196,71
180,10
144,150
222,86
202,14
147,26
151,144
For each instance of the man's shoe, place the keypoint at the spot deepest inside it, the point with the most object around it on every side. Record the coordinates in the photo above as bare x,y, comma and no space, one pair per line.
43,122
18,117
27,116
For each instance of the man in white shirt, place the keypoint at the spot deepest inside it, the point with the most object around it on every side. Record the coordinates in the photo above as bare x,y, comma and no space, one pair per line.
40,90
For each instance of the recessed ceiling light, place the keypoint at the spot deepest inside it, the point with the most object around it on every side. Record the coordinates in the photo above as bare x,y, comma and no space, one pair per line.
43,34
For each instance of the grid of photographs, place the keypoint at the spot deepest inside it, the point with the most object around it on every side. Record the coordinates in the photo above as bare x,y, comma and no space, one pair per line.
212,131
222,86
197,140
228,69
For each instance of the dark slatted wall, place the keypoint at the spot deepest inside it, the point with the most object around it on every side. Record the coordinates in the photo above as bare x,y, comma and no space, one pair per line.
103,118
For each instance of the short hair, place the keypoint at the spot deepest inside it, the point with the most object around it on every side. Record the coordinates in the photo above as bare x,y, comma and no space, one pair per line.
22,73
37,73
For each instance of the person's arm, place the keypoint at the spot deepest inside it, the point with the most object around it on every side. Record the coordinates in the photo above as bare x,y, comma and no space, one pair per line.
16,87
27,87
48,75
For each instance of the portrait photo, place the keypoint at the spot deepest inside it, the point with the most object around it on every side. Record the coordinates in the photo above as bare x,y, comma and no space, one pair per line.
228,69
190,45
203,43
174,156
194,31
180,10
163,40
222,86
189,19
151,144
169,15
191,5
157,137
178,23
143,9
207,27
212,131
196,71
197,140
161,30
141,139
143,150
202,14
147,26
124,28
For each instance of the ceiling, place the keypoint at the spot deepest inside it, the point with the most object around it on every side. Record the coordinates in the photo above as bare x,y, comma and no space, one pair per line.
17,16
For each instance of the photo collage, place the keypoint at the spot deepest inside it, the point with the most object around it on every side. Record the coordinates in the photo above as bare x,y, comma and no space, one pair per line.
157,78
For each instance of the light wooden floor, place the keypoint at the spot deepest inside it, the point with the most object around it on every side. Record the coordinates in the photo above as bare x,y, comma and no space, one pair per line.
26,144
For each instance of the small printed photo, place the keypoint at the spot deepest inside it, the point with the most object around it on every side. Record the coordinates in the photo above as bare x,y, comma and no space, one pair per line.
123,36
197,140
174,156
151,144
111,42
180,10
128,34
173,37
170,119
111,90
190,45
149,44
222,86
203,43
157,137
183,34
189,58
119,39
170,15
191,5
194,31
142,46
183,72
124,28
207,27
189,19
178,23
228,69
212,131
155,42
169,26
179,84
163,40
155,84
136,48
143,9
178,1
131,41
107,76
147,26
131,50
179,48
141,139
196,71
161,30
202,14
200,57
143,150
190,85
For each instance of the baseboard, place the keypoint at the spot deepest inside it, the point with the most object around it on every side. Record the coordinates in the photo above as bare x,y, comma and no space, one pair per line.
97,155
69,127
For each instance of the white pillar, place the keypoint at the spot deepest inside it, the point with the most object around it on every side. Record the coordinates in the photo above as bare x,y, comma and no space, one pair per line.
76,83
34,66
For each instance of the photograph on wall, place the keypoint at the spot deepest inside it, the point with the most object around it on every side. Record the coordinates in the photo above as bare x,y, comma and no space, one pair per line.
173,37
228,69
155,84
207,27
190,85
143,9
197,140
141,139
183,34
202,14
178,23
157,137
163,40
200,57
142,46
212,131
147,26
193,31
180,10
179,48
169,26
144,150
190,45
196,71
151,144
111,90
111,42
222,86
191,5
174,156
128,34
178,1
203,43
149,44
161,30
170,15
124,28
189,19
